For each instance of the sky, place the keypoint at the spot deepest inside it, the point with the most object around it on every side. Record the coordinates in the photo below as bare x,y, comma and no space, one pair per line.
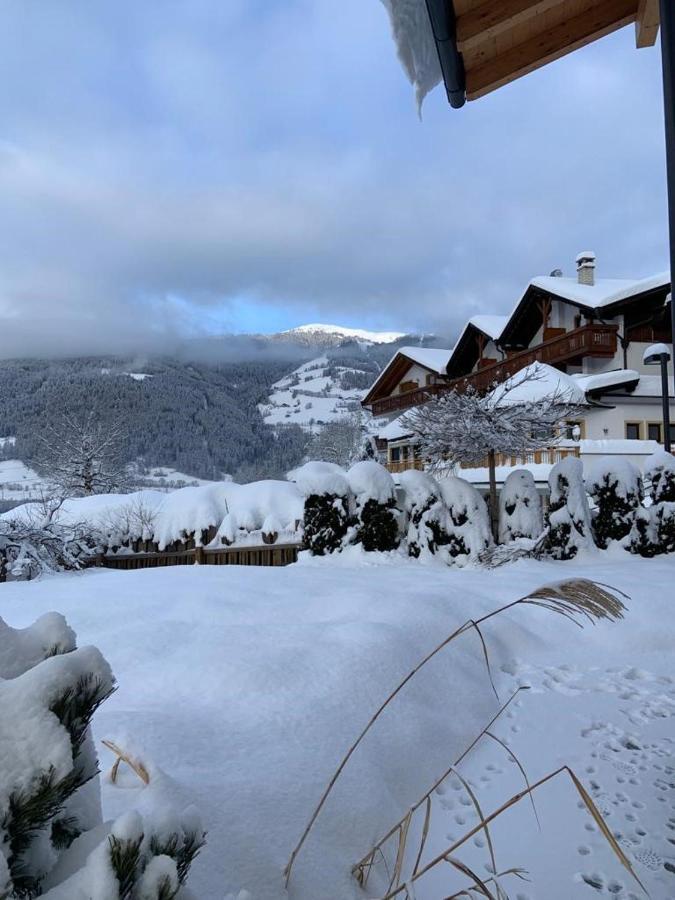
172,169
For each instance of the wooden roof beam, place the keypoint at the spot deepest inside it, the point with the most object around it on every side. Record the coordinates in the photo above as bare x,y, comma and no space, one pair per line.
647,23
549,45
490,19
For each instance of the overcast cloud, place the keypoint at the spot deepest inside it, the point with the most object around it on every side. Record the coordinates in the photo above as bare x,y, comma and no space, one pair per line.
170,169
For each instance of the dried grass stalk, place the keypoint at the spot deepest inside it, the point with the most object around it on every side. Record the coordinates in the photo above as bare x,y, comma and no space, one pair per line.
571,598
362,868
122,756
588,803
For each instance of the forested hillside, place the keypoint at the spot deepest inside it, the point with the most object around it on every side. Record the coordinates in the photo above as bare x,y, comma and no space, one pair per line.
201,418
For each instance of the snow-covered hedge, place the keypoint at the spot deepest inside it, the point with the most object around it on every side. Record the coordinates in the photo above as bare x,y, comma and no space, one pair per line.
569,515
53,842
374,493
469,532
520,513
33,546
428,518
653,531
327,505
616,488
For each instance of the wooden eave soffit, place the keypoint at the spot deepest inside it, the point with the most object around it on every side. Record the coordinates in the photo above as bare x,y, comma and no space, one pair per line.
501,40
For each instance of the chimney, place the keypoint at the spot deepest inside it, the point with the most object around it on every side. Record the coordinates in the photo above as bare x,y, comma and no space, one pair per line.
586,267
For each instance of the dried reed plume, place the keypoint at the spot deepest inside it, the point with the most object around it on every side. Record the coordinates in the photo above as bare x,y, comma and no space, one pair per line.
577,599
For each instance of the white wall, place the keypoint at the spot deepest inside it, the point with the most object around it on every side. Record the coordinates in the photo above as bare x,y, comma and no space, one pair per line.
414,373
597,420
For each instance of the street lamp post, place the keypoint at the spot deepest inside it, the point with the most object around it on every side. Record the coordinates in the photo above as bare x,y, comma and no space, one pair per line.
659,354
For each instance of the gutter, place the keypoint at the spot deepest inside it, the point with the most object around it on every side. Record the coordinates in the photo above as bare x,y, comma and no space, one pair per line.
442,16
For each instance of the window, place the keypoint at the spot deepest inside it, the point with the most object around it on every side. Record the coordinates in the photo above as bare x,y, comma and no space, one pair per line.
633,430
395,454
569,430
654,431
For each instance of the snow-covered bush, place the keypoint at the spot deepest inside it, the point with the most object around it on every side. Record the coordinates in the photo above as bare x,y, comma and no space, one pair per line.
654,528
428,518
29,548
569,516
469,532
520,514
327,514
616,488
52,840
660,472
375,500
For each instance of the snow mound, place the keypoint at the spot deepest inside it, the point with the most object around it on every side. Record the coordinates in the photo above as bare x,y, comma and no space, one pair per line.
520,514
621,473
371,481
320,478
419,488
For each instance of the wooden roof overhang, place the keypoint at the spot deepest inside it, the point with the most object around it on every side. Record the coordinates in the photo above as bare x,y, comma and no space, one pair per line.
485,44
391,375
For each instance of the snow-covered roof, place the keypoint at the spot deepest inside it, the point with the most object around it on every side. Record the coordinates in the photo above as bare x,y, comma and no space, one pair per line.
537,381
607,379
604,292
492,326
394,431
435,360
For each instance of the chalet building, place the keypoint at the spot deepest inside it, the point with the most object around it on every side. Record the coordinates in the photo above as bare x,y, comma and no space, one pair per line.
592,329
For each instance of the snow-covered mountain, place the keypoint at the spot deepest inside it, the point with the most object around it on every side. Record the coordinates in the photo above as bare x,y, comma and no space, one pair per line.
321,335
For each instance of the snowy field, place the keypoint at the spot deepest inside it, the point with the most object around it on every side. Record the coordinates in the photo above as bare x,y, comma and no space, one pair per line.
241,688
307,396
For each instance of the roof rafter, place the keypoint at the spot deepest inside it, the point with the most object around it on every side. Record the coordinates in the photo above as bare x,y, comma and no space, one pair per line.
551,44
490,19
647,23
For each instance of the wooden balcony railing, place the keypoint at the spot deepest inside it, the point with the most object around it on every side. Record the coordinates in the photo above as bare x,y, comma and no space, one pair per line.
403,465
589,340
407,399
594,340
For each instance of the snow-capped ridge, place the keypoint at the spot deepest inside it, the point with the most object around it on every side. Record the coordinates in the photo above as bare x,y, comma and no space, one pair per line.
318,329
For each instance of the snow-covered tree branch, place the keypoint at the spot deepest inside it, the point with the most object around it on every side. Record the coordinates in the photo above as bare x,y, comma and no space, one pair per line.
83,456
519,416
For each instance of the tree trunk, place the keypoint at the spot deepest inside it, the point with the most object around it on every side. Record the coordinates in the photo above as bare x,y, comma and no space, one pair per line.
494,511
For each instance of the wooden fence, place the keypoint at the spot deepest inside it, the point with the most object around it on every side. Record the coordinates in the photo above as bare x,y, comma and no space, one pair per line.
259,555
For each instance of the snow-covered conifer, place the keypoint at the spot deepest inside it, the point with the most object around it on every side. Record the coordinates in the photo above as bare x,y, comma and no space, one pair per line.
53,843
569,515
375,499
616,488
660,472
654,528
520,514
428,518
327,514
469,523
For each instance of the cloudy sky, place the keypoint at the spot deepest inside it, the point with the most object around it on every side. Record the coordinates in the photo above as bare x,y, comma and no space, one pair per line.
177,168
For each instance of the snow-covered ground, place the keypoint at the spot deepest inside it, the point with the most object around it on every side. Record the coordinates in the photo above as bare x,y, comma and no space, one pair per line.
242,688
18,481
309,398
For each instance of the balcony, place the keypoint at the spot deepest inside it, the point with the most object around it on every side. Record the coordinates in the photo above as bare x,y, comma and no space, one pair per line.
589,340
593,340
407,399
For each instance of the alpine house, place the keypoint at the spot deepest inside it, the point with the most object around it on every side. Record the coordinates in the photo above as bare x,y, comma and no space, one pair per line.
592,331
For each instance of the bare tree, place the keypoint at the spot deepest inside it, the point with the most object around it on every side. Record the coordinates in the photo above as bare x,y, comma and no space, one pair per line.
469,427
341,441
83,456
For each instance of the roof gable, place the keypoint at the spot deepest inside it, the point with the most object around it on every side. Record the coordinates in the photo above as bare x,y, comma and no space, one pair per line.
433,360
